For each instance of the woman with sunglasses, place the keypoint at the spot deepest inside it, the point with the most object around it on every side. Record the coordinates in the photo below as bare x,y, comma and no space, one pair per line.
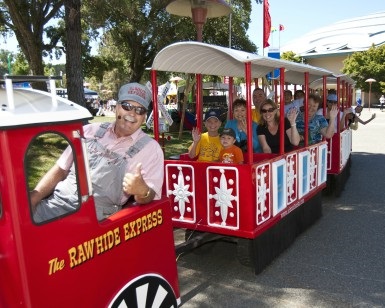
268,128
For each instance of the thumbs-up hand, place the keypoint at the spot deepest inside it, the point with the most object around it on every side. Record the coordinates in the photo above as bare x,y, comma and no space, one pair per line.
133,183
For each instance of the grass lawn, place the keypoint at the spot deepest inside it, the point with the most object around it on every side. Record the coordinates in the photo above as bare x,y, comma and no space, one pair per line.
171,147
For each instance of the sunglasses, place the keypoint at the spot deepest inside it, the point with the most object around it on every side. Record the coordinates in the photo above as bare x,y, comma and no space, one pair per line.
267,110
138,110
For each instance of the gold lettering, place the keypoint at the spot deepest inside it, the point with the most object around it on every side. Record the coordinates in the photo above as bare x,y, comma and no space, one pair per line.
99,244
72,255
55,265
154,220
117,236
110,239
89,248
126,229
149,221
160,216
144,223
104,241
138,225
81,257
133,233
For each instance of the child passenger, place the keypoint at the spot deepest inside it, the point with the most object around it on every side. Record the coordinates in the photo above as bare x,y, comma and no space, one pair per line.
230,153
207,145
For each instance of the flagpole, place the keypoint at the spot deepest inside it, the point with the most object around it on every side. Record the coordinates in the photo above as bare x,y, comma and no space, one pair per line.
263,28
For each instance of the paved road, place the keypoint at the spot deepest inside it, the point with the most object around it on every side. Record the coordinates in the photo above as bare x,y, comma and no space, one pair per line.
338,262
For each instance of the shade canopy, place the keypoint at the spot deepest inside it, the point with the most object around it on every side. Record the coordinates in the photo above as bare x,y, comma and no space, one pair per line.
215,8
201,58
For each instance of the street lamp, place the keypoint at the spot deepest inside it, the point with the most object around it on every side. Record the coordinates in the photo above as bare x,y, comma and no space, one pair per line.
199,11
370,80
176,79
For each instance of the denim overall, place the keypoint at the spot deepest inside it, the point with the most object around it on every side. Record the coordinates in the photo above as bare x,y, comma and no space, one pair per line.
107,170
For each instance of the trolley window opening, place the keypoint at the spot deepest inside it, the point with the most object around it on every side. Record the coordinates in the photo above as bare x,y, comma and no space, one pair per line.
42,154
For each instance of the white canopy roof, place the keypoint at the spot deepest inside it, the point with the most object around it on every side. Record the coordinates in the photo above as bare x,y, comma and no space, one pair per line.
32,106
201,58
331,82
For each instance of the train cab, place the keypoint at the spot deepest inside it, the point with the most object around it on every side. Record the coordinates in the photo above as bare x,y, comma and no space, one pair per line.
264,203
72,260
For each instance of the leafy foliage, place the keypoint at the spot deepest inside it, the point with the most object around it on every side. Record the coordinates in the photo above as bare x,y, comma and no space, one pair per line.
367,64
134,31
293,57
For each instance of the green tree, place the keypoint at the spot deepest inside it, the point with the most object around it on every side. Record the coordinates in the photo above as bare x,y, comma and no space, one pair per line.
138,29
28,21
367,64
74,72
293,57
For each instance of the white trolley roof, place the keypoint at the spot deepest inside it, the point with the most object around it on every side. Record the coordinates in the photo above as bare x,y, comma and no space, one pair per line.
24,106
331,82
201,58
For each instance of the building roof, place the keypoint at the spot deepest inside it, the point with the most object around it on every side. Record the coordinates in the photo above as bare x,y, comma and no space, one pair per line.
343,37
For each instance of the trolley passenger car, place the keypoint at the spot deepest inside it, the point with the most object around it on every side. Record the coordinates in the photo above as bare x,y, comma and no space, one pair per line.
73,260
263,204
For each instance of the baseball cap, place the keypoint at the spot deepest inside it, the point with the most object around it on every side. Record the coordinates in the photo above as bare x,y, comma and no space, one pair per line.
135,92
228,132
213,113
332,97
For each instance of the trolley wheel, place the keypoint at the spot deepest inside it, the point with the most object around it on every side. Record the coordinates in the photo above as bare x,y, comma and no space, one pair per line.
245,252
202,247
150,289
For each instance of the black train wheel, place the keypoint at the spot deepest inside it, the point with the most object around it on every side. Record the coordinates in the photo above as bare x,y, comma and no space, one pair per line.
146,291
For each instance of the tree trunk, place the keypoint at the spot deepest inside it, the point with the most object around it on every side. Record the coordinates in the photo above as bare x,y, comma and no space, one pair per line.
74,69
188,88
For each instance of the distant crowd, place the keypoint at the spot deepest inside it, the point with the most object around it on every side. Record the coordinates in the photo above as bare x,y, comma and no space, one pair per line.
99,107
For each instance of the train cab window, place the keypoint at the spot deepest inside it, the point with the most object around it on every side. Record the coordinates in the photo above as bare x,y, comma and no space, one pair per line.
45,154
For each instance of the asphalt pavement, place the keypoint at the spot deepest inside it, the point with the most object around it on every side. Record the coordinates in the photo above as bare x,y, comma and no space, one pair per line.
338,262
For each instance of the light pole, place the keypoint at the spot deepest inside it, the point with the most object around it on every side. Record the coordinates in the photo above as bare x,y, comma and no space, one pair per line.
370,80
176,79
199,11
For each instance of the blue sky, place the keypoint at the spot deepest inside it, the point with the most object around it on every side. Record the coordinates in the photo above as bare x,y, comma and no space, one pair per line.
302,16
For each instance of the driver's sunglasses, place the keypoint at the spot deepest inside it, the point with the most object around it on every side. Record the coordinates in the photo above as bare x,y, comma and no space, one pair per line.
138,110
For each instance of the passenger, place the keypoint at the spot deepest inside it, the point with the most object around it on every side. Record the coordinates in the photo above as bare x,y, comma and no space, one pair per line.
354,119
268,129
298,94
382,102
259,97
318,126
332,100
230,153
297,103
288,97
239,125
207,146
124,162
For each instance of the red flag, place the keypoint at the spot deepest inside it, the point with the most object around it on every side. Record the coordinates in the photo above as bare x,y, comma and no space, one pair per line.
266,24
281,27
